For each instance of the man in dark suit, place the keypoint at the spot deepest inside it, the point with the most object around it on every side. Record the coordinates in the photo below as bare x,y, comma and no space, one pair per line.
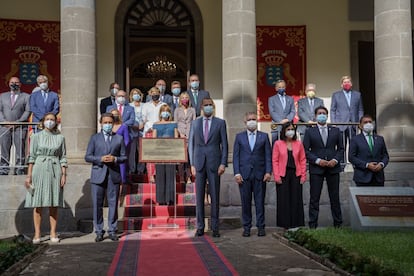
281,108
324,148
368,155
43,100
176,91
196,94
346,106
208,151
306,108
126,111
252,163
15,108
110,100
106,150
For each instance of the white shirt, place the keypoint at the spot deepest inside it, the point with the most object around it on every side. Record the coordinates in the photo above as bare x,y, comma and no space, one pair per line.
150,114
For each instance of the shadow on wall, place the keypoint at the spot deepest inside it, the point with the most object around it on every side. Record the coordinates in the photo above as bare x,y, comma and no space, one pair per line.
84,209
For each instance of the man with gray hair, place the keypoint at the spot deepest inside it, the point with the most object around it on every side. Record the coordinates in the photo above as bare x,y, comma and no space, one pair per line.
43,100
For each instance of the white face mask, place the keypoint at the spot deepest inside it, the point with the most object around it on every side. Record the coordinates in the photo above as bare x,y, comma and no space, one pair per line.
290,133
251,125
120,100
368,128
43,86
49,124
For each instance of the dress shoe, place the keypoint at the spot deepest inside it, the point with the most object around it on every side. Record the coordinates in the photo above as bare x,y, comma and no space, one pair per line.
246,233
99,238
216,234
113,237
199,233
261,232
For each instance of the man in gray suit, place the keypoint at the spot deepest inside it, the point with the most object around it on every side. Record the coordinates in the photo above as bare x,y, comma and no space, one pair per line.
281,108
14,107
346,107
306,108
208,151
106,150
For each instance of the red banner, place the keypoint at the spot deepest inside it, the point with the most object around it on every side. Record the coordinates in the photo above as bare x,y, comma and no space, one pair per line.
29,49
281,54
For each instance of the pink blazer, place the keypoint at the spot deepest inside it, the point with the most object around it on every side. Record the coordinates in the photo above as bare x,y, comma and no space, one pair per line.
280,157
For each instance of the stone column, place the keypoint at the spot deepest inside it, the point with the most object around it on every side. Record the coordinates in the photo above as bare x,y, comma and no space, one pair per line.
78,75
394,77
239,64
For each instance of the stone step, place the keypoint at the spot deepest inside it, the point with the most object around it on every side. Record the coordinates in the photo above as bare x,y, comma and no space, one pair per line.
137,224
148,198
139,188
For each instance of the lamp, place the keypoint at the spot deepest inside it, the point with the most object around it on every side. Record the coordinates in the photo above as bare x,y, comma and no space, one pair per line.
161,67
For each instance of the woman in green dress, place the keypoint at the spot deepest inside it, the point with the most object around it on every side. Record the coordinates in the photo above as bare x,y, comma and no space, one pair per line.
46,175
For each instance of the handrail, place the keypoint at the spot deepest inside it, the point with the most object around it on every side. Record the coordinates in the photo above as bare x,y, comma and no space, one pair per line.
273,126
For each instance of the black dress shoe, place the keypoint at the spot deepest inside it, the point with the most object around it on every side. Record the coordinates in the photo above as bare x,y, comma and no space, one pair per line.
216,234
261,232
99,238
199,233
113,237
246,233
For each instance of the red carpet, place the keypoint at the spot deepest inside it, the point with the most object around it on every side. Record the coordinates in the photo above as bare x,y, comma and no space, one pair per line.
168,252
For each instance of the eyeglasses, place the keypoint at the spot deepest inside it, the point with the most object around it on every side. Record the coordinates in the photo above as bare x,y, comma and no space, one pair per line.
208,105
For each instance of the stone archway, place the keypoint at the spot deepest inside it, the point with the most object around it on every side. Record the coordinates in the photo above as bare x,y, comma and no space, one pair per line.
145,29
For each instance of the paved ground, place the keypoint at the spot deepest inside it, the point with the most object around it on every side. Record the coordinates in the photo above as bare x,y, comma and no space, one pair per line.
78,254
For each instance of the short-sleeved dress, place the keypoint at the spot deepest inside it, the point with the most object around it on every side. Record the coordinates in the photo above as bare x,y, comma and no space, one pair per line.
48,155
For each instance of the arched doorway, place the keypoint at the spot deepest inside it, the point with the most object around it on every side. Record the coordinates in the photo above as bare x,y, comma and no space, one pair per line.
147,29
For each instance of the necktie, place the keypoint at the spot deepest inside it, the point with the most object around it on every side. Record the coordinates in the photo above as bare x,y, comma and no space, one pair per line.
311,105
370,142
348,97
206,130
251,140
120,109
13,99
283,100
44,97
176,102
195,95
324,133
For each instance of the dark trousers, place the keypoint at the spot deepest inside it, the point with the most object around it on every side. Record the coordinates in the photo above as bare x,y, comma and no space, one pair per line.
98,195
373,183
316,184
133,157
9,136
257,188
165,181
290,211
214,185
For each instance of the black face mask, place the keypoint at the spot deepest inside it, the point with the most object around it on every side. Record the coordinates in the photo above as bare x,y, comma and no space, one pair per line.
14,87
155,97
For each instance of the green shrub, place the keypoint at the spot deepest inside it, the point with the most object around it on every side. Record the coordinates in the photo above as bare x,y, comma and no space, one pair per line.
11,251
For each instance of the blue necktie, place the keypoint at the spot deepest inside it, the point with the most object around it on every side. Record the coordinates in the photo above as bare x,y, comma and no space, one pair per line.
251,140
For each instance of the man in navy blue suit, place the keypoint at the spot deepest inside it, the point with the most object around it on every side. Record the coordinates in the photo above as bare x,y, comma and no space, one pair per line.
127,112
368,155
43,100
110,100
252,163
324,149
208,151
196,94
106,150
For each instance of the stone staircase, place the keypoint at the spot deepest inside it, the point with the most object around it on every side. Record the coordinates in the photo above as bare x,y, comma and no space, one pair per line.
140,211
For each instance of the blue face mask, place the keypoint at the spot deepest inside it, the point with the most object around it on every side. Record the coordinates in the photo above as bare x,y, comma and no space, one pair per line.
208,110
281,91
165,114
107,128
195,84
136,97
176,91
321,118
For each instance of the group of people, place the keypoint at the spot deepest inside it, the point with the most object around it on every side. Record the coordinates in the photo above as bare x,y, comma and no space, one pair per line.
321,147
124,118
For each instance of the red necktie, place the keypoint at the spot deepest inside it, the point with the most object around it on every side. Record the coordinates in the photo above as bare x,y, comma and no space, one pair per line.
120,109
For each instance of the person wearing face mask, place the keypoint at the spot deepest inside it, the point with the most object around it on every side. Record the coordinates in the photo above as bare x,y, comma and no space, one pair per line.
110,100
176,91
346,107
126,111
105,151
14,108
43,100
184,114
289,170
306,108
368,154
136,131
252,164
281,108
196,94
208,150
165,173
46,176
324,149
